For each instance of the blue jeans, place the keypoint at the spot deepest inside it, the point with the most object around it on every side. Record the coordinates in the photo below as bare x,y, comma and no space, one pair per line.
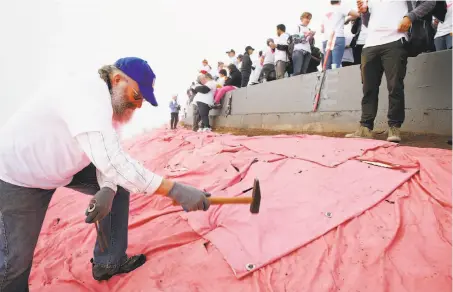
301,60
22,211
336,54
443,42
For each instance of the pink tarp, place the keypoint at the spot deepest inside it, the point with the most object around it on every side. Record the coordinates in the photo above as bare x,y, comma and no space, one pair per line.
373,239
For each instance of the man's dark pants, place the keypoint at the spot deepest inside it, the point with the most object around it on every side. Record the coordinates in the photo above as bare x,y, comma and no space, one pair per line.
174,120
22,211
390,59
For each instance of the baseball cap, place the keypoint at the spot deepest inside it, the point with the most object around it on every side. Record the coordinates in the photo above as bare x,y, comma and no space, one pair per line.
230,51
249,48
139,70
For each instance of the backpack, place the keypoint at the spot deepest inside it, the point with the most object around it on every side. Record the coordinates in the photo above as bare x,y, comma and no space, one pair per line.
421,33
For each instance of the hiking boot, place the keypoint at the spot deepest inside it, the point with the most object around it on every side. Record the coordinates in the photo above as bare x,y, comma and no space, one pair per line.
101,273
394,135
362,132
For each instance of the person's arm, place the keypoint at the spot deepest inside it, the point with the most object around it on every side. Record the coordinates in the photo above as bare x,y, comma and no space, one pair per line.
118,168
421,10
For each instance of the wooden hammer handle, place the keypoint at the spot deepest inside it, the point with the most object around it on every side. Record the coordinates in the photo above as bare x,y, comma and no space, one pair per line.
226,200
232,200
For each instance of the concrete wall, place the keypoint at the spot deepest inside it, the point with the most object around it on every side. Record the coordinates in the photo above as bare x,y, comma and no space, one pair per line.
287,104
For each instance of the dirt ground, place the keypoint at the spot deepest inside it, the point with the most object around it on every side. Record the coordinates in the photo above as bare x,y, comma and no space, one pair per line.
408,139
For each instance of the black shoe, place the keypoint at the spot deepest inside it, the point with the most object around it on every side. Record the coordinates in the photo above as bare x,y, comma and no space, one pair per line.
101,273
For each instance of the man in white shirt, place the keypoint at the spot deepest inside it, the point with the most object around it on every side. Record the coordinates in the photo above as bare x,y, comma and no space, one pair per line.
232,57
65,137
281,51
443,37
385,52
302,49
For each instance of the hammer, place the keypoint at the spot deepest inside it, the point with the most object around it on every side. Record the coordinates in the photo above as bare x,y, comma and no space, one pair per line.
254,200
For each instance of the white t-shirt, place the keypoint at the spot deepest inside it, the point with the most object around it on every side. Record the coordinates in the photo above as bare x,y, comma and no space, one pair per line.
444,28
268,56
207,98
281,55
303,33
384,20
38,148
334,20
363,35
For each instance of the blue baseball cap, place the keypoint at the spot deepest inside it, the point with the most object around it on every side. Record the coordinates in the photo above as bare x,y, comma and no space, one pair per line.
139,70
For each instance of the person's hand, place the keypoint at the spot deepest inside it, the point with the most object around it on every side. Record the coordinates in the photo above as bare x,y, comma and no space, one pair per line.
189,197
100,205
405,24
361,7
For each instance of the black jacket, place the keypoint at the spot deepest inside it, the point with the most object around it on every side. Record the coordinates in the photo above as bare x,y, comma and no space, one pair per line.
235,78
246,64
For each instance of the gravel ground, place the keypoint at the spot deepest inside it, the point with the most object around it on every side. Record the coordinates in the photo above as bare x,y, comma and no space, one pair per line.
408,139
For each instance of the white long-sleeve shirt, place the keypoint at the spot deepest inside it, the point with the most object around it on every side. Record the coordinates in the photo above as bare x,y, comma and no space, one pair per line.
61,131
114,166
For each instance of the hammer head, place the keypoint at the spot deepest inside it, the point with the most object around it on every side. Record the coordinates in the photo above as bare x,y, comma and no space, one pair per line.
256,197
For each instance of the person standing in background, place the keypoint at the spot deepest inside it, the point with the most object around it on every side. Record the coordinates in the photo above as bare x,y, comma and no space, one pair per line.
443,37
333,23
246,68
174,112
281,51
257,66
302,49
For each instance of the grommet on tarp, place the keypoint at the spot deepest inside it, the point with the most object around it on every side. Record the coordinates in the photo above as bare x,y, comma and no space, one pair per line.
328,214
249,267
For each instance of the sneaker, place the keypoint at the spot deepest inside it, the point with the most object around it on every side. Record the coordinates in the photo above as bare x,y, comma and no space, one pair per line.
394,135
200,130
362,132
207,130
101,273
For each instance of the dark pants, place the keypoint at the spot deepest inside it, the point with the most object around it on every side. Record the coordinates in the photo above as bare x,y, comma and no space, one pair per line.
357,53
301,60
174,120
390,59
22,211
195,117
245,78
265,72
204,109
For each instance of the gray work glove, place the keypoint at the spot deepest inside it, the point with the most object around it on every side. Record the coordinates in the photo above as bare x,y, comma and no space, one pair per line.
189,197
102,202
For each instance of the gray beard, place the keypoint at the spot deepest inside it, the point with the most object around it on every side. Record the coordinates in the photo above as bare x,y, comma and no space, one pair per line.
118,99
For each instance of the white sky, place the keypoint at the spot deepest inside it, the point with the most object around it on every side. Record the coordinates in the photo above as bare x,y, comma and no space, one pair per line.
43,40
